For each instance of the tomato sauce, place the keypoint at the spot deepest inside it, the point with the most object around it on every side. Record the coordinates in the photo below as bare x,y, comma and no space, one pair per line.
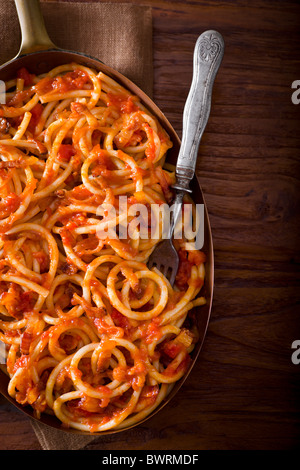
70,222
67,237
182,367
88,405
87,244
65,152
125,104
43,260
26,340
26,76
4,126
151,148
135,375
36,113
196,257
120,320
22,362
184,271
16,301
152,332
165,183
80,193
9,204
172,349
103,158
26,301
187,259
103,328
75,80
18,98
40,147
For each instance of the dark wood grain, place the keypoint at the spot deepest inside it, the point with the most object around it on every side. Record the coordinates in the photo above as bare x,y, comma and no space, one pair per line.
244,390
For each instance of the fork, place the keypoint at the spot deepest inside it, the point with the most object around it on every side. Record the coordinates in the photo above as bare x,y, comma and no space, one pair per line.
208,54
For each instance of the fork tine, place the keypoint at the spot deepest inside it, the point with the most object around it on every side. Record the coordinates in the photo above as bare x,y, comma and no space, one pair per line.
152,264
172,277
162,269
155,264
165,259
167,271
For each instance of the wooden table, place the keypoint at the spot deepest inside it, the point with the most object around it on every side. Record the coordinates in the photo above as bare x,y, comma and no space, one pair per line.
244,390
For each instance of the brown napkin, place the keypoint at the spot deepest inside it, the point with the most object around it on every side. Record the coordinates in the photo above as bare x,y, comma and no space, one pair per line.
54,439
120,35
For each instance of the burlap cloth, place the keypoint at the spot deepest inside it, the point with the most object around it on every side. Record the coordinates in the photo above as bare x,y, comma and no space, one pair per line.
120,35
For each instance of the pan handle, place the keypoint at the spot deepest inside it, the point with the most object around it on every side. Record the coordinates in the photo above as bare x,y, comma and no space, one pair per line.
33,30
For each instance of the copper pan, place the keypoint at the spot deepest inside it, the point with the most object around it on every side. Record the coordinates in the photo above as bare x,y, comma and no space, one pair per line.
39,55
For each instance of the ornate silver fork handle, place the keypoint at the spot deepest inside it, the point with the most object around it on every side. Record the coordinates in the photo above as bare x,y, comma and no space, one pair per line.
208,55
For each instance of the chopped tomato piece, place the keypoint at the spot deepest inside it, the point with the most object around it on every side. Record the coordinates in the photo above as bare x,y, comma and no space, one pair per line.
125,104
65,152
187,259
196,257
26,76
120,319
75,80
36,113
9,204
172,349
184,270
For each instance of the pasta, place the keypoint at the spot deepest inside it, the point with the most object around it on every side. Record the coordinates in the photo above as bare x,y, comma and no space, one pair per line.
92,335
